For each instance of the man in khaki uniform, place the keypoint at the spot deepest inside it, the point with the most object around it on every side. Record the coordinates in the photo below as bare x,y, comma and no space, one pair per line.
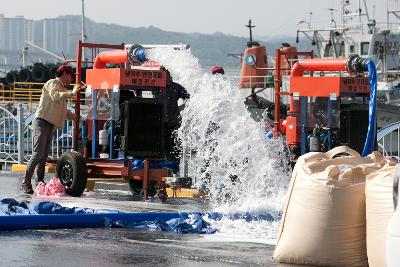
51,113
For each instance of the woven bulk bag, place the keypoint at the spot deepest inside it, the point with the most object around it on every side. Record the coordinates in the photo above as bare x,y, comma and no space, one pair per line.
323,222
379,210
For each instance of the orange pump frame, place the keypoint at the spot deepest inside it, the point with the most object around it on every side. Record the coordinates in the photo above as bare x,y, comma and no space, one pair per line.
106,78
310,86
101,77
321,86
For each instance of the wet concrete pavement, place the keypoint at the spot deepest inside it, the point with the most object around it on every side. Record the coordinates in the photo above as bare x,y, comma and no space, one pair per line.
119,247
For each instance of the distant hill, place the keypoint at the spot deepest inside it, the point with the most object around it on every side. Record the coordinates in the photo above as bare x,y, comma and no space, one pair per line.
211,49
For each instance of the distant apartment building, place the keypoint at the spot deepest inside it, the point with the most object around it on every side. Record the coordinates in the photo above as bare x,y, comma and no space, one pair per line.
14,32
51,34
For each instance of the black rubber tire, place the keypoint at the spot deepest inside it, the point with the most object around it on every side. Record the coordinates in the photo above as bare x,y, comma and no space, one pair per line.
71,170
136,187
11,77
24,75
39,74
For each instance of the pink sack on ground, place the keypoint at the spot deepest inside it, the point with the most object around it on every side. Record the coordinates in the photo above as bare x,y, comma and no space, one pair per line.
52,188
40,189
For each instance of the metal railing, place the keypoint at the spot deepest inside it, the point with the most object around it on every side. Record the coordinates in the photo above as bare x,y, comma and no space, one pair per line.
16,144
25,92
266,83
21,91
253,81
389,140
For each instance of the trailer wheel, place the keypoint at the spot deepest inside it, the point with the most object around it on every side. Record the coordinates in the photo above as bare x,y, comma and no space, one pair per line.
71,170
136,187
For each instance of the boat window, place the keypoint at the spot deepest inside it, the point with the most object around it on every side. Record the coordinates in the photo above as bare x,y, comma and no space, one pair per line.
377,47
364,48
352,49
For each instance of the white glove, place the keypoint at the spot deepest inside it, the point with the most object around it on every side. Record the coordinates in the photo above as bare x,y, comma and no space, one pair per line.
77,88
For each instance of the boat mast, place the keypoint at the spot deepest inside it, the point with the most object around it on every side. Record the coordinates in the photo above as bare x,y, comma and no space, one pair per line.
366,10
387,14
24,55
250,44
83,33
343,12
385,34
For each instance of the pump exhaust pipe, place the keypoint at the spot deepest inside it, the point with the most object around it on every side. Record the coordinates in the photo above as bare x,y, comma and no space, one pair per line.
353,64
135,55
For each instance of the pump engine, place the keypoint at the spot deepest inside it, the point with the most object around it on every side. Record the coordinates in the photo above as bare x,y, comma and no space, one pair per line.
128,103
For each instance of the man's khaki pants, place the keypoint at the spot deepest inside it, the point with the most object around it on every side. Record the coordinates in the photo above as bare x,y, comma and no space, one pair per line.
42,133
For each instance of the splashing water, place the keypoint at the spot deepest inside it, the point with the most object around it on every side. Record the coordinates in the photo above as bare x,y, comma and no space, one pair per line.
242,170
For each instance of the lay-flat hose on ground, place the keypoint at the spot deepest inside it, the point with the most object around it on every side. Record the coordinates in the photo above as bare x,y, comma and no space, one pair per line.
49,215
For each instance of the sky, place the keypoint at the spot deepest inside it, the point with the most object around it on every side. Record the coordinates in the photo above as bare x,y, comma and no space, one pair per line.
271,17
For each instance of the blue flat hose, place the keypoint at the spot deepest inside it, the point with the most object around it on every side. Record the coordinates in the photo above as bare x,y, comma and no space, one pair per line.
16,215
101,220
371,134
60,221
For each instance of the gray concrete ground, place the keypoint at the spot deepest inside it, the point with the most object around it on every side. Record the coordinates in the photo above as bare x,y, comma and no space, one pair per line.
118,247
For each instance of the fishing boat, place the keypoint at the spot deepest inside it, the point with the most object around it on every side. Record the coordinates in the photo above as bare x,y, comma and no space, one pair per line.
357,33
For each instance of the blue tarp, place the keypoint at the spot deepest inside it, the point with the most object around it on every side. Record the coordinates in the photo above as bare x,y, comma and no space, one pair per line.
16,215
43,215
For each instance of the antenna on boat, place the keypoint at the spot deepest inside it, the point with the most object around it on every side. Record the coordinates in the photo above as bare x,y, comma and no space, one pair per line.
343,9
83,31
366,13
332,19
387,14
373,12
385,34
251,32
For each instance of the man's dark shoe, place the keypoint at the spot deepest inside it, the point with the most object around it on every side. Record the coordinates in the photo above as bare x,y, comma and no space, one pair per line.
27,187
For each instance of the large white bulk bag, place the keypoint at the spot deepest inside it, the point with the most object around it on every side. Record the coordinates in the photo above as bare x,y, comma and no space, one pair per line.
323,222
393,230
379,210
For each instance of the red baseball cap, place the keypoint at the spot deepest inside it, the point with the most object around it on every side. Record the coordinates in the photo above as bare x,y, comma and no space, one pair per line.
217,69
66,68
